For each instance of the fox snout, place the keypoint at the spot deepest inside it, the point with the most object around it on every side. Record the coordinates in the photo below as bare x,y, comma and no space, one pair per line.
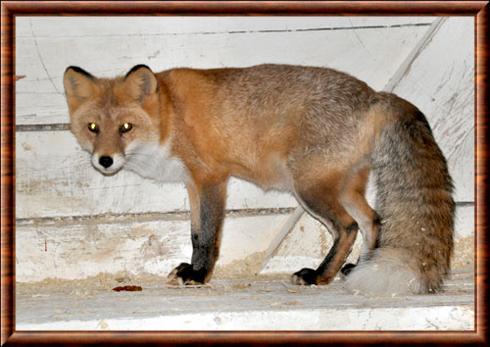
106,161
108,164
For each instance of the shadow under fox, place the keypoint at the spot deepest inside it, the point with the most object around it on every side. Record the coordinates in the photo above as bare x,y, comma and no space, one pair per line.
314,132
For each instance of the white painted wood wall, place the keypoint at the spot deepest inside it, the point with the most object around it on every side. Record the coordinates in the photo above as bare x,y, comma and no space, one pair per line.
73,222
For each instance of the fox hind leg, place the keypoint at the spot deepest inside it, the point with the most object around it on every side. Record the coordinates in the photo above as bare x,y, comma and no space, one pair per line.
322,201
354,201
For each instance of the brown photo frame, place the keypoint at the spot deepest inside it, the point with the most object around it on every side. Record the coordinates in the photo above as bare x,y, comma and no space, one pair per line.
11,9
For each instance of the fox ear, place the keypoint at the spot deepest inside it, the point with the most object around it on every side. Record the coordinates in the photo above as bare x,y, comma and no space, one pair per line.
140,82
79,86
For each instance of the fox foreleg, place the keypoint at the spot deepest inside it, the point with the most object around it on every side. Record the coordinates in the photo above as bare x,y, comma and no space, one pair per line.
207,204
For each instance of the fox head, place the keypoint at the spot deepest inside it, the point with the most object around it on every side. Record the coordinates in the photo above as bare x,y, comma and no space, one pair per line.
112,117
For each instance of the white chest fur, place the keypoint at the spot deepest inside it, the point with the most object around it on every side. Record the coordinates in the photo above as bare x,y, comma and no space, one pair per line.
154,161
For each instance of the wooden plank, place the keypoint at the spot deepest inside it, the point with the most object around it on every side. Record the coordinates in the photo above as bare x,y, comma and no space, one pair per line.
39,96
82,248
286,228
410,58
241,304
75,27
441,83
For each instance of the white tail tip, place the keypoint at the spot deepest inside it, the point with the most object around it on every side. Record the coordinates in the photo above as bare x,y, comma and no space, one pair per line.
389,272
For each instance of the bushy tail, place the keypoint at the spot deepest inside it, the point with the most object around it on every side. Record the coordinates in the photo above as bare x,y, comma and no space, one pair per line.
414,201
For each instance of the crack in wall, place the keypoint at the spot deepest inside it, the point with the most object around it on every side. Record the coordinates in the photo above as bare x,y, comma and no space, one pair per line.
235,32
41,60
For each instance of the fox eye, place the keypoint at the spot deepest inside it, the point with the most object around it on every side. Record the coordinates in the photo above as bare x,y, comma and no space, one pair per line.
125,127
93,127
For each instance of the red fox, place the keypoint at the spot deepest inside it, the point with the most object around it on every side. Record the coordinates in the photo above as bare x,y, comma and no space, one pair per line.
314,132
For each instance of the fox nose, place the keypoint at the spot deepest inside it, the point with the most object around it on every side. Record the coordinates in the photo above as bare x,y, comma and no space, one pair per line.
105,161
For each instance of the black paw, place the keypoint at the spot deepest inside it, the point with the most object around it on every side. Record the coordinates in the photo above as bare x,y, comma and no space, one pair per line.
305,277
185,274
347,268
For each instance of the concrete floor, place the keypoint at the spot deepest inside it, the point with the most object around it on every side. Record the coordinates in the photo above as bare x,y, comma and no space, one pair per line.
253,304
